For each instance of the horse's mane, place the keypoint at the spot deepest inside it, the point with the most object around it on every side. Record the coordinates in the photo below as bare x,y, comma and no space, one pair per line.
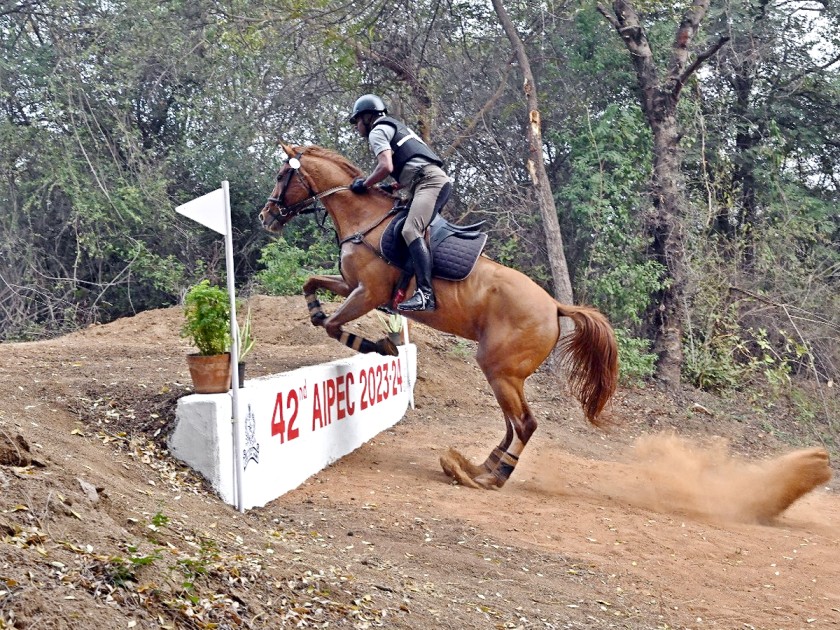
339,160
332,156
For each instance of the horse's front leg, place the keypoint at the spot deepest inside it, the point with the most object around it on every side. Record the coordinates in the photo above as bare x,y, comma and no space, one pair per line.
359,301
335,284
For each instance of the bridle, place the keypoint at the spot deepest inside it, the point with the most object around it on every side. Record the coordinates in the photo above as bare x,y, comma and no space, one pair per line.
305,206
312,204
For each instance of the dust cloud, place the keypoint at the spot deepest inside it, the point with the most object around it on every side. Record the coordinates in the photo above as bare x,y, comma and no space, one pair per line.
668,473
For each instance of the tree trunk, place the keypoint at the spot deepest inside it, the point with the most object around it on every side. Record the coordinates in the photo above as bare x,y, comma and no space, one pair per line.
667,248
659,96
746,139
536,166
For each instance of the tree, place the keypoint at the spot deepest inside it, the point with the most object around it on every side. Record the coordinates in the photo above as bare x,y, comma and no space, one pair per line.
770,96
658,94
536,164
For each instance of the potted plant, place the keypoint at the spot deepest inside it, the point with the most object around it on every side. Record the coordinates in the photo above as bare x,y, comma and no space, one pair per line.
393,326
207,325
246,344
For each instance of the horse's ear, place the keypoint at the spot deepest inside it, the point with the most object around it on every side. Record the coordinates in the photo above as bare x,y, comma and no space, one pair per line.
289,149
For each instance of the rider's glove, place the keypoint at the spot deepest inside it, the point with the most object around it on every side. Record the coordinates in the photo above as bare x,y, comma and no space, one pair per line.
358,186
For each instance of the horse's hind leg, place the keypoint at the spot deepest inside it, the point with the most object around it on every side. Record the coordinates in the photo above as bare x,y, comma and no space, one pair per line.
499,465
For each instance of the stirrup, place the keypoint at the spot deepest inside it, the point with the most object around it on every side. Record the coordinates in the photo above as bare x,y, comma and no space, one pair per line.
418,302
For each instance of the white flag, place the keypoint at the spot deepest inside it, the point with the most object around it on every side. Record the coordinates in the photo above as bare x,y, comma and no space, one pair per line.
209,210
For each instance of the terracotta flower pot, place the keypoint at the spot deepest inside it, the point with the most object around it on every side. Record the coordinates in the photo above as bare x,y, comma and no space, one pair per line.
210,374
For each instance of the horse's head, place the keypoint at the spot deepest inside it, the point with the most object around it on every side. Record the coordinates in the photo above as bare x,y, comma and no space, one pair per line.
290,194
308,175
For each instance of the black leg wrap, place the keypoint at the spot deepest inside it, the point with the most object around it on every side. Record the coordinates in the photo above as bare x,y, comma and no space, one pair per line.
316,314
366,346
501,464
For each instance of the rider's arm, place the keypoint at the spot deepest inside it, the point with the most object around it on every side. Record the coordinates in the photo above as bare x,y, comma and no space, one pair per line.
384,167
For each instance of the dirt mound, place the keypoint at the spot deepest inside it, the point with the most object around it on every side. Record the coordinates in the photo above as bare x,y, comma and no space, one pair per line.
673,519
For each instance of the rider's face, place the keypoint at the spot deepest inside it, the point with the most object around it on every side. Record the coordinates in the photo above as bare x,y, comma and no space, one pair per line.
361,126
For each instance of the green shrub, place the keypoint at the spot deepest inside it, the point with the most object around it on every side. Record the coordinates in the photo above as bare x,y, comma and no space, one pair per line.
207,318
636,362
286,267
731,357
711,366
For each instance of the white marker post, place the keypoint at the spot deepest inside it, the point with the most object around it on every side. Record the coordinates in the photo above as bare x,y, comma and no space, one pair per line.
404,327
213,211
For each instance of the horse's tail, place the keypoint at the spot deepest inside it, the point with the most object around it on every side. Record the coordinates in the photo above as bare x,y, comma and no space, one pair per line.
591,355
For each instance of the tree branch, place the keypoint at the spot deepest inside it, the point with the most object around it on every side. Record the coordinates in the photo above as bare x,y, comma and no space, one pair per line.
686,74
610,18
404,74
480,114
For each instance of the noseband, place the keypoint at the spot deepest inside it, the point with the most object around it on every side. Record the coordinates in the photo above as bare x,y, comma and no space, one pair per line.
305,206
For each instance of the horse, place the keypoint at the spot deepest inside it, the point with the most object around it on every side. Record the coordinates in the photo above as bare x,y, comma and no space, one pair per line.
514,321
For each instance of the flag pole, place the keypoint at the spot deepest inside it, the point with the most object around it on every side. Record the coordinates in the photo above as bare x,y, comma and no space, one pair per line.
234,350
407,369
206,210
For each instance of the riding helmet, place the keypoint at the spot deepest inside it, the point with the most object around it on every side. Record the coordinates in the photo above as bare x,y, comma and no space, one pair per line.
367,103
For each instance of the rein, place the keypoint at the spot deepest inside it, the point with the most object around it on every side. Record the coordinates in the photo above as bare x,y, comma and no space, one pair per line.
305,206
311,204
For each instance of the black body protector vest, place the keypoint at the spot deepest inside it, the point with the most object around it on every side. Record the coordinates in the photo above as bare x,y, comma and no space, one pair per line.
406,145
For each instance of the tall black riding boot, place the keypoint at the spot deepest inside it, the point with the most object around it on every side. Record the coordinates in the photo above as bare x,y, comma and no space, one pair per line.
424,297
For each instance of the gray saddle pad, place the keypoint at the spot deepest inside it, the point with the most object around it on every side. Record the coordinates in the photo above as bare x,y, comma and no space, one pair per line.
455,249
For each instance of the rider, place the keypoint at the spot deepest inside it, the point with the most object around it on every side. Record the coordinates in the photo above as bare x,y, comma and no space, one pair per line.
403,155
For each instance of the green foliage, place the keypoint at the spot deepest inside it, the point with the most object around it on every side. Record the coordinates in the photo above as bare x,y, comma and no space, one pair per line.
636,362
193,567
710,365
621,289
160,519
120,571
392,323
778,317
596,61
282,272
207,318
607,243
732,357
246,341
286,267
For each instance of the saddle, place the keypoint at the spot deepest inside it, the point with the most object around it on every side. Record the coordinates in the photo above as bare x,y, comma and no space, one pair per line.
455,248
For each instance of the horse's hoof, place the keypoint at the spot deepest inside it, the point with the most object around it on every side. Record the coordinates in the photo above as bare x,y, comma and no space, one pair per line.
387,348
453,469
489,481
466,473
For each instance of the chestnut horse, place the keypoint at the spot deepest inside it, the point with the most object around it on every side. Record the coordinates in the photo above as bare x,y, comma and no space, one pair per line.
515,322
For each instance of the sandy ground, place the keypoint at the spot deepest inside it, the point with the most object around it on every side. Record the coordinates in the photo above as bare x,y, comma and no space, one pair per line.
663,522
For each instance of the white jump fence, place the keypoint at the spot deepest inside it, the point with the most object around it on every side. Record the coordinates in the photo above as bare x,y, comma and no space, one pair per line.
291,425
